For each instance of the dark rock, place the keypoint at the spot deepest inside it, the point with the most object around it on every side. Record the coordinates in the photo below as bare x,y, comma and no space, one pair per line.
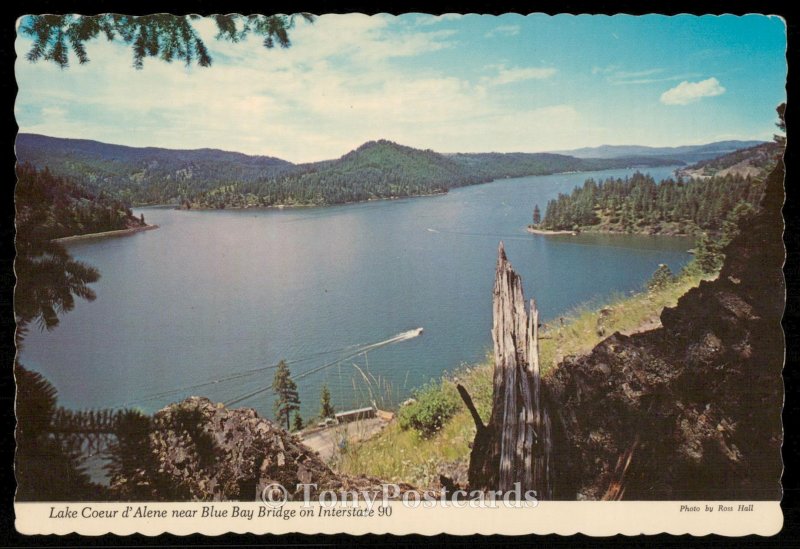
698,401
204,451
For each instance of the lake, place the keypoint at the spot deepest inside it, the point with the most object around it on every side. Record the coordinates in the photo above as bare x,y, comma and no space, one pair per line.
208,303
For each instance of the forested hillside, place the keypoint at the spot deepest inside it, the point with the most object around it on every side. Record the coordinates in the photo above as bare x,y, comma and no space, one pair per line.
638,204
383,169
55,207
144,175
755,161
377,169
210,178
721,191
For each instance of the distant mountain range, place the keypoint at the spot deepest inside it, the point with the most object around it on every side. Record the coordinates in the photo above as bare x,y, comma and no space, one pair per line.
684,154
211,178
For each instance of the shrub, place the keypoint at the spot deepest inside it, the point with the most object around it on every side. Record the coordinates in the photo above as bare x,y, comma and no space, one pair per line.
661,278
434,405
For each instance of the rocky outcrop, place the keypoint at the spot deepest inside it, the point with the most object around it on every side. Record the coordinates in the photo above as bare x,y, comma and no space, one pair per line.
204,451
691,410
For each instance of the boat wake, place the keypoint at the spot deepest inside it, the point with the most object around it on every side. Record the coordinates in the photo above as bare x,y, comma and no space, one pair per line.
402,336
351,352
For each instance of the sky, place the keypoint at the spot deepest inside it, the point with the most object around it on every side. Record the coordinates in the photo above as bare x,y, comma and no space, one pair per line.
450,83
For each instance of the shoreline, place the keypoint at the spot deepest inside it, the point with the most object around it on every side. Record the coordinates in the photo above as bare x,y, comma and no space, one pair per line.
577,336
104,234
446,191
301,206
547,232
637,233
591,230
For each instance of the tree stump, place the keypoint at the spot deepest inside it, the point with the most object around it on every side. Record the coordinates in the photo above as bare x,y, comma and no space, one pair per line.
516,445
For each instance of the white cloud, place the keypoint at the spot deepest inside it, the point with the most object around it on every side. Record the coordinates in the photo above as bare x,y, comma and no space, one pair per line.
503,30
335,86
357,37
636,81
604,70
688,92
617,77
506,75
345,80
637,74
53,112
433,19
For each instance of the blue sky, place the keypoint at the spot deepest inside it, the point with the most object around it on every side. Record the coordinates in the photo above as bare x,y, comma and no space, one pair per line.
451,83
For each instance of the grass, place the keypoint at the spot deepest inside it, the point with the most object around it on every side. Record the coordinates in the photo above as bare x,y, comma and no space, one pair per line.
398,455
585,326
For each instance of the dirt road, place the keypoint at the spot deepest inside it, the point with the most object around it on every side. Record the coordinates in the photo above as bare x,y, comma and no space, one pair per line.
327,441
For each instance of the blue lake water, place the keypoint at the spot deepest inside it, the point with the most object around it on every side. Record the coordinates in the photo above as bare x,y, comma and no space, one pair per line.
214,294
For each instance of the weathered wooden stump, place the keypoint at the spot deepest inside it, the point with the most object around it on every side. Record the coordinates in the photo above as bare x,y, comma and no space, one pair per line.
516,445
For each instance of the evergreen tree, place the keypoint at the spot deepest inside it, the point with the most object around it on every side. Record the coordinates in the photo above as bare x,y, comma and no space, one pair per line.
326,408
661,278
50,465
537,215
46,470
707,255
639,204
781,139
287,400
733,221
162,36
48,278
298,422
131,460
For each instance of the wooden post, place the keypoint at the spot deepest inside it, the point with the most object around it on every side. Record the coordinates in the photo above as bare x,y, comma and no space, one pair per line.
515,446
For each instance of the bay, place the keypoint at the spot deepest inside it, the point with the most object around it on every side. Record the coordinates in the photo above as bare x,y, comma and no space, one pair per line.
212,300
